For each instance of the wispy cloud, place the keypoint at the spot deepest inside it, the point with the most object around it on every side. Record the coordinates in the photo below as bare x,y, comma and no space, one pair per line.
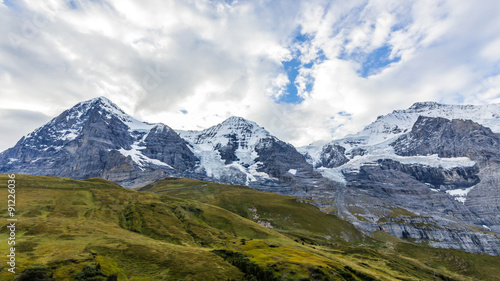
306,70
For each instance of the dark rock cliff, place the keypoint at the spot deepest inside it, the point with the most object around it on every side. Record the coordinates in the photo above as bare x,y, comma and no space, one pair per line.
449,138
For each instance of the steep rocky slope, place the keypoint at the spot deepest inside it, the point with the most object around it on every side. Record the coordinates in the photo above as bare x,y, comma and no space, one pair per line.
435,169
97,139
449,138
239,151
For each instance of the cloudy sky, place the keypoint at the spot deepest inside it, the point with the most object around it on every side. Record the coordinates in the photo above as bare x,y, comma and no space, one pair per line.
305,70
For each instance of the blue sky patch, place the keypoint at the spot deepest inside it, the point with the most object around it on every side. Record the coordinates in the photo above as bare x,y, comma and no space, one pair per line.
377,60
398,27
291,93
72,5
292,68
371,63
10,4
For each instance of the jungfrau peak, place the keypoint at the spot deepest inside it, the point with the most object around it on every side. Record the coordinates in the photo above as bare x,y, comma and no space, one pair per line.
430,160
399,122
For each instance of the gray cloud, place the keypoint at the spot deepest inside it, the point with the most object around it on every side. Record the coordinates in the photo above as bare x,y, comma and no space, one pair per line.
17,123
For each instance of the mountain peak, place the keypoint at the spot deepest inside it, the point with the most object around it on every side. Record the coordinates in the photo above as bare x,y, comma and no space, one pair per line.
107,109
400,121
425,104
102,98
237,120
235,135
100,103
70,124
160,128
239,125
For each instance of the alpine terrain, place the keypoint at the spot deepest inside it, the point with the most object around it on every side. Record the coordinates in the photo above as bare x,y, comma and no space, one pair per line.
425,174
428,173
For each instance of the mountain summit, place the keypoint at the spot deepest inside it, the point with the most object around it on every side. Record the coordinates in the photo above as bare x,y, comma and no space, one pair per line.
239,151
242,134
70,124
398,122
96,138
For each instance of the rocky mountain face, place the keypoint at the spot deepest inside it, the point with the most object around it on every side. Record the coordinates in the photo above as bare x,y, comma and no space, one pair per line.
449,138
329,156
97,139
428,173
239,151
386,196
436,162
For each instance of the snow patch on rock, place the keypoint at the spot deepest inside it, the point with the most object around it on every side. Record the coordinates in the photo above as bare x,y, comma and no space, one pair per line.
460,194
140,159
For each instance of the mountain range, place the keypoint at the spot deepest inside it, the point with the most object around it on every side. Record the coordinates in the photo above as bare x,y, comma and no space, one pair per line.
426,174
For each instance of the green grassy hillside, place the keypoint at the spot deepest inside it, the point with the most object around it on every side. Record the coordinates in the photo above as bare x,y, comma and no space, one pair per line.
293,217
180,229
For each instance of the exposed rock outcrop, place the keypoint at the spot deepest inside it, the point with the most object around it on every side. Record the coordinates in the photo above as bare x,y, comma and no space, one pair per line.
449,138
332,156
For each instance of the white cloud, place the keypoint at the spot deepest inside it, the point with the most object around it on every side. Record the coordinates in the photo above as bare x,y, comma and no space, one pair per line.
438,60
492,50
211,59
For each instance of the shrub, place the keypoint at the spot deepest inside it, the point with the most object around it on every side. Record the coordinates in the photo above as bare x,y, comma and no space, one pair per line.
36,273
252,271
91,273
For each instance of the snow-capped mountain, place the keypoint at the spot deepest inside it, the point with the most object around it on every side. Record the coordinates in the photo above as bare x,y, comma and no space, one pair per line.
438,161
95,138
229,147
398,122
240,151
375,138
374,141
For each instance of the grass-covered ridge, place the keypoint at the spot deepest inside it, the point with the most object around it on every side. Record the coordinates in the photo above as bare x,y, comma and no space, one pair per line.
293,217
181,229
